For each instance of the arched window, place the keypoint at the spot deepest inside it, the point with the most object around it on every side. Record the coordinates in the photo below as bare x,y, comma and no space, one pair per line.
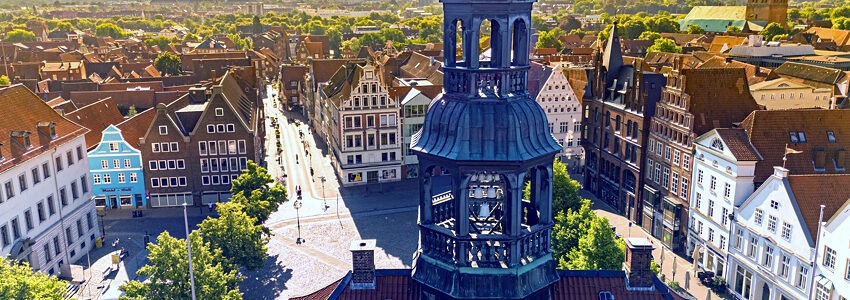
717,144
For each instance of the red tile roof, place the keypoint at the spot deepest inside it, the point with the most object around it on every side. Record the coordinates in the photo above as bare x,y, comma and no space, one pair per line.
96,117
769,132
22,111
137,126
754,74
718,97
811,191
739,144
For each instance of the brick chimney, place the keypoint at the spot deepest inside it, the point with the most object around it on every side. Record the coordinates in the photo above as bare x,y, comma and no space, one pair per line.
638,257
198,94
363,265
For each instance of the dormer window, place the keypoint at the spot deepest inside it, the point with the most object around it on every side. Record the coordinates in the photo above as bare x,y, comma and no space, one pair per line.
717,144
219,112
830,135
22,137
48,128
163,130
797,137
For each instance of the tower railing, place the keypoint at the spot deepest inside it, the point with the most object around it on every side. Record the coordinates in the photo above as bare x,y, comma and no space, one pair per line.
485,250
486,81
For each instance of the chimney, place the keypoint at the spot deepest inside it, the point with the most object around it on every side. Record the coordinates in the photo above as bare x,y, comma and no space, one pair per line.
638,257
780,172
363,264
197,94
212,75
216,89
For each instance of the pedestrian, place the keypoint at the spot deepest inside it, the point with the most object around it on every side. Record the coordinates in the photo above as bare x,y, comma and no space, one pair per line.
210,205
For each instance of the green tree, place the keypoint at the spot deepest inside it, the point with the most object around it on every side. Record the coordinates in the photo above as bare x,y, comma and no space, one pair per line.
649,35
599,249
840,12
161,41
632,29
19,35
256,25
550,39
264,195
794,14
20,282
236,234
335,41
565,195
539,23
695,29
569,227
4,80
110,30
168,63
733,29
64,26
664,45
168,276
771,30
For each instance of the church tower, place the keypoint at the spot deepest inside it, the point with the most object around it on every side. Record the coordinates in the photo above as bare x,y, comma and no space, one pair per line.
482,141
772,11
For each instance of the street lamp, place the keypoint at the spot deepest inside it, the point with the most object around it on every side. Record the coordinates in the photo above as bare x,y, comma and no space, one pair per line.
297,206
189,249
102,225
323,192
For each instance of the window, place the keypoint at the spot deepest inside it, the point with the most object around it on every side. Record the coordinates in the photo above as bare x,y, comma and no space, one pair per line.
41,213
63,197
802,277
676,155
710,235
219,128
165,147
174,147
181,164
163,130
759,216
45,170
829,256
231,128
667,153
713,182
74,193
133,178
51,206
240,144
725,216
152,165
57,250
223,164
698,200
225,179
205,165
172,181
722,242
771,223
786,231
122,178
58,164
4,233
163,164
674,187
830,136
47,256
767,258
727,190
784,266
22,182
79,228
699,176
205,180
10,191
182,180
665,181
70,157
113,147
69,236
202,148
711,207
172,164
231,147
35,178
657,172
651,147
219,112
116,163
90,220
774,204
686,161
754,244
214,180
210,128
28,219
739,239
684,193
154,182
16,229
822,292
155,147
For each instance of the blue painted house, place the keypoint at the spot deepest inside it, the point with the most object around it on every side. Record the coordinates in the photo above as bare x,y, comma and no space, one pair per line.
116,172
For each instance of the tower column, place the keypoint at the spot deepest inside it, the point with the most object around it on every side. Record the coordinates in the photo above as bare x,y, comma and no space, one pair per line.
450,41
545,205
514,215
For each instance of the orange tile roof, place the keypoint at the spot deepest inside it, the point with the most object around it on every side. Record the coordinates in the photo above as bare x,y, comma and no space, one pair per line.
137,126
22,111
811,191
754,74
769,132
715,107
738,143
840,37
96,117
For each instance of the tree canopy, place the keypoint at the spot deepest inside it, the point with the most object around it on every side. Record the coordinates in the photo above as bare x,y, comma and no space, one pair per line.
258,192
583,240
18,281
695,29
160,41
664,45
550,39
168,63
236,234
109,30
771,30
168,272
19,35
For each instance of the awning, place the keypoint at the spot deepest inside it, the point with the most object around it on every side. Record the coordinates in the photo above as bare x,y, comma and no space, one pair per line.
824,282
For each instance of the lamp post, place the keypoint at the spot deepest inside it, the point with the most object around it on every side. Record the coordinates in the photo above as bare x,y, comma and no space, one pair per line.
102,225
297,206
189,249
323,192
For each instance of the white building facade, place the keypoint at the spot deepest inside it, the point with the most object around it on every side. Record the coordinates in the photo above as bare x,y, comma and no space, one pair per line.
832,278
414,105
563,111
772,249
723,179
47,216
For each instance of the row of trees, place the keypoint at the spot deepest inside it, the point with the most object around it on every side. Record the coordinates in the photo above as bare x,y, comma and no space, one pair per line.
220,246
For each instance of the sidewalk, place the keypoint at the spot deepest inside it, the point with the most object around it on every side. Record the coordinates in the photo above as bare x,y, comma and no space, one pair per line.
673,266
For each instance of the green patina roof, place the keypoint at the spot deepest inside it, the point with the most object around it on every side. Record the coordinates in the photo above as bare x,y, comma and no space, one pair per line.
715,18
